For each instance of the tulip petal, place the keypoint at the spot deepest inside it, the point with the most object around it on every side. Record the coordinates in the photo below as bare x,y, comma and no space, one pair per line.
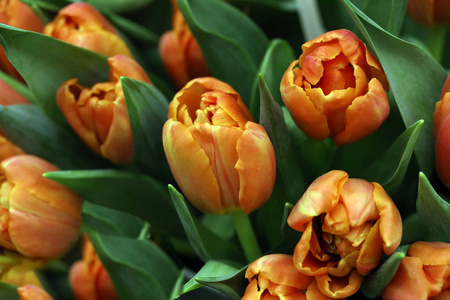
357,196
314,293
83,285
32,292
431,253
103,42
339,287
122,65
371,251
252,291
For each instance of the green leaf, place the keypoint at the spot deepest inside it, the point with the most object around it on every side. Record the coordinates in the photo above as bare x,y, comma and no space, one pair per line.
390,168
109,221
233,46
310,18
407,65
132,29
286,5
138,268
18,86
29,52
205,243
119,6
8,291
30,129
389,14
377,280
413,230
434,212
147,109
133,193
232,285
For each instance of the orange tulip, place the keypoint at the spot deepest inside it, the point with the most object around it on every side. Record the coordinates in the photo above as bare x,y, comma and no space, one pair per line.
99,115
89,279
347,225
274,276
180,53
221,160
336,89
32,292
423,274
19,15
429,12
441,134
82,25
19,270
38,217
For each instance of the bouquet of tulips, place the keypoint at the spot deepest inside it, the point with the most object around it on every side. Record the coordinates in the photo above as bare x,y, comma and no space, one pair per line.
224,149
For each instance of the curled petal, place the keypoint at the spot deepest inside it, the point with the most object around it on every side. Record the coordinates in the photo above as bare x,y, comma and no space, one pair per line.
339,287
314,293
371,251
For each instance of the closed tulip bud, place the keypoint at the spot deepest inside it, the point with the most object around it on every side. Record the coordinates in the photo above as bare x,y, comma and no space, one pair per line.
336,89
347,225
423,274
82,25
38,217
88,277
441,134
99,115
429,12
180,52
19,15
32,292
220,158
19,270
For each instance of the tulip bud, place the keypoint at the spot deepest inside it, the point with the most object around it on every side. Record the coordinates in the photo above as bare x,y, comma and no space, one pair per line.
99,115
220,158
423,274
32,292
17,14
441,134
82,25
336,89
429,12
180,52
347,225
88,277
38,217
19,270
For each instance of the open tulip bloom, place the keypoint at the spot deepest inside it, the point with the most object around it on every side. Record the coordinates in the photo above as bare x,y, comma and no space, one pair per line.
211,149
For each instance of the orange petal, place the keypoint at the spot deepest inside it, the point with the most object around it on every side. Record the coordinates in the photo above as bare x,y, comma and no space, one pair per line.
122,65
252,291
431,253
339,287
32,292
314,293
82,282
371,251
441,132
103,42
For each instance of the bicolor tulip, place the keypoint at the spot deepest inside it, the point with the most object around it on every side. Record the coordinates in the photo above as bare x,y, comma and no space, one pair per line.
38,217
180,53
347,225
220,158
99,115
17,14
336,89
429,12
423,274
274,276
19,270
88,277
82,25
441,134
32,292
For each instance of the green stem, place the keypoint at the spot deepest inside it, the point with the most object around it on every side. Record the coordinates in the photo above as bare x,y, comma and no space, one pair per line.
246,236
436,42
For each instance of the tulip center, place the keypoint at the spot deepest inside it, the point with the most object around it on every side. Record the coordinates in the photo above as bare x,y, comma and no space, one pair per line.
327,242
216,106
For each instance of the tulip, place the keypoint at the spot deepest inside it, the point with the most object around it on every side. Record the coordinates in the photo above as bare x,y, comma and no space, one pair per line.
441,134
423,274
429,12
32,292
82,25
99,115
347,225
220,158
89,279
19,15
180,53
19,270
274,276
38,217
336,89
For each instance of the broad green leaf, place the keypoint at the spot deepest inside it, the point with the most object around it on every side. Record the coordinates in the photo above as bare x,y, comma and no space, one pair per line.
147,109
119,6
413,230
233,46
109,221
434,212
133,193
45,63
210,269
132,29
8,291
205,243
51,5
178,287
138,268
377,280
287,5
30,129
232,285
407,65
390,168
310,18
18,86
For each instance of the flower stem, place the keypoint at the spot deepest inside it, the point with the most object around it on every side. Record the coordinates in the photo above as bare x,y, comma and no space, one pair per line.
246,236
436,42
